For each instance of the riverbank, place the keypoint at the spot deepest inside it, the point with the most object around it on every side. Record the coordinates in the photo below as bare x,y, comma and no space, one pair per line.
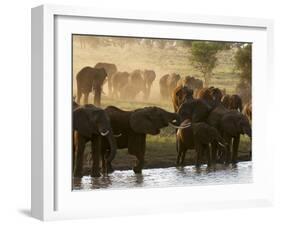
160,153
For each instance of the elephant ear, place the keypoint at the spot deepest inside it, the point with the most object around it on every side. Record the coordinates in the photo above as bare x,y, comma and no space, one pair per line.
81,122
85,118
141,121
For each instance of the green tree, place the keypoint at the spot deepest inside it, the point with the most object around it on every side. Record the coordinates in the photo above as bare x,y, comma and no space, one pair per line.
243,62
204,57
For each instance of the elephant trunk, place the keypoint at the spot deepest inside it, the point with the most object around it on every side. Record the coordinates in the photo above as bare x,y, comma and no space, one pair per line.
112,145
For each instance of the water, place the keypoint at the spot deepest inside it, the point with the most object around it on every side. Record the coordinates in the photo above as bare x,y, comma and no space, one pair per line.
167,177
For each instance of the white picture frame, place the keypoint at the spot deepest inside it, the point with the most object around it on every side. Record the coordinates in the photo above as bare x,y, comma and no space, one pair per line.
52,197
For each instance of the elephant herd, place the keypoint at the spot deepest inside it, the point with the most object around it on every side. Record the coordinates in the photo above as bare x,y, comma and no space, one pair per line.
112,128
122,85
125,85
205,119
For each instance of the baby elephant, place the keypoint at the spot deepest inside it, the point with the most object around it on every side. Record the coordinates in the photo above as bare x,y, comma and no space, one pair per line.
199,136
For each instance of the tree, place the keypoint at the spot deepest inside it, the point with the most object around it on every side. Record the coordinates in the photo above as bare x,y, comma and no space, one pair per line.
204,57
243,63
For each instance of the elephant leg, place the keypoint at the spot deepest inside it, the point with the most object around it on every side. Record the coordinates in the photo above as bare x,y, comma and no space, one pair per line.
178,158
140,154
148,90
79,95
86,96
74,149
214,152
183,157
236,142
179,151
97,96
103,162
208,153
109,86
80,156
198,148
96,149
140,163
114,93
228,149
107,166
103,156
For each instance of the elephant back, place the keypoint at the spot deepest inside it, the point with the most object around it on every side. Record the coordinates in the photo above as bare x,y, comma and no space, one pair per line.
109,67
216,115
119,119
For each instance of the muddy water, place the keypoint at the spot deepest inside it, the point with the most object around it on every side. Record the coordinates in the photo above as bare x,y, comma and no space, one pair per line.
167,177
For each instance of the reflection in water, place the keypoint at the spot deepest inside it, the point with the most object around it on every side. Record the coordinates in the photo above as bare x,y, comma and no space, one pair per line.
165,177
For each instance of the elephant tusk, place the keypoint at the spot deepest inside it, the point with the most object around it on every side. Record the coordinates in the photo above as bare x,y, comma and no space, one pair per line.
180,127
105,133
221,144
174,121
118,135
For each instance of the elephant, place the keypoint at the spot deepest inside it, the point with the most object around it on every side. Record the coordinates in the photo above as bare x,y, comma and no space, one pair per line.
135,85
180,94
167,84
199,136
196,110
119,81
236,102
226,100
191,82
90,79
110,69
148,77
91,123
172,82
211,95
230,124
233,102
217,95
205,94
163,87
134,126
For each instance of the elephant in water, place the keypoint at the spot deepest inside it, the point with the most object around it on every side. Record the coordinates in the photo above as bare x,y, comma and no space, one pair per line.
199,136
231,125
133,126
90,79
110,69
91,123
